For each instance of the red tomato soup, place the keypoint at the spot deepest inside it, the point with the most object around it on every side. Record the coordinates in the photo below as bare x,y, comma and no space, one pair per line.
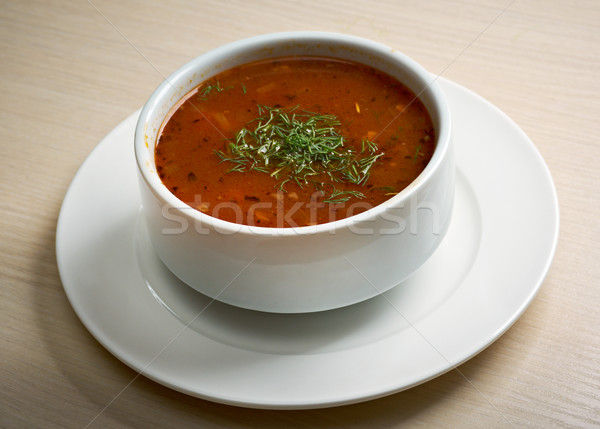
294,141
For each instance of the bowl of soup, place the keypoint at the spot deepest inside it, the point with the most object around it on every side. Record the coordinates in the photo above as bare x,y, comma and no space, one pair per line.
296,172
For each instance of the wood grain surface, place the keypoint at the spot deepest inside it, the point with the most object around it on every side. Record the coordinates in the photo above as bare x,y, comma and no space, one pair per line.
70,71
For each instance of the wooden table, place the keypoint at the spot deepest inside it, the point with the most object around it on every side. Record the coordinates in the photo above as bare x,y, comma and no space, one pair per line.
72,70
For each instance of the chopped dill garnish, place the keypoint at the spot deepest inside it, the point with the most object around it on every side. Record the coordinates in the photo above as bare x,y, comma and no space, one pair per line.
243,88
388,189
300,146
342,196
417,152
203,94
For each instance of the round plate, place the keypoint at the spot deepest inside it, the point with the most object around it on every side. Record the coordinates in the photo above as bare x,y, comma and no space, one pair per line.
480,280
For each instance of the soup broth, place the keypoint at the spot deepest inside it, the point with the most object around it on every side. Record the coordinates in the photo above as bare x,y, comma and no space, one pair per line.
294,141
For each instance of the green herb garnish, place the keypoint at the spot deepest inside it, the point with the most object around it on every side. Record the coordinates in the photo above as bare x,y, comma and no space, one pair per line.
417,152
203,94
300,146
338,196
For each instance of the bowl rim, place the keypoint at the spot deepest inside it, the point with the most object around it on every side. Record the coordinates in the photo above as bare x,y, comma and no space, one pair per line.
437,102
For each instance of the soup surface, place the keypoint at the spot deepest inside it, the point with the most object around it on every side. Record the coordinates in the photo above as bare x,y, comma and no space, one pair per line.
294,141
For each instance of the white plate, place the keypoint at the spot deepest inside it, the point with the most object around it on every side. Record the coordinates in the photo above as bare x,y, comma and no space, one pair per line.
481,279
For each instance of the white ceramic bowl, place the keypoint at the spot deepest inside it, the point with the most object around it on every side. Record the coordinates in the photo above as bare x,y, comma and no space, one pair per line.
309,268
